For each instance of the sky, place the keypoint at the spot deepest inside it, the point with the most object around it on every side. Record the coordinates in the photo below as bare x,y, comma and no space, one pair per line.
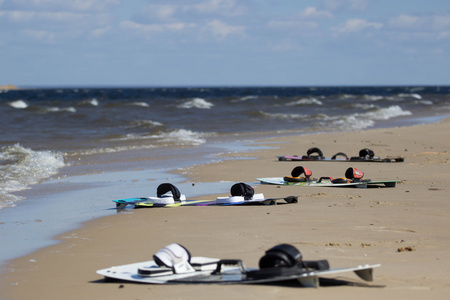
128,43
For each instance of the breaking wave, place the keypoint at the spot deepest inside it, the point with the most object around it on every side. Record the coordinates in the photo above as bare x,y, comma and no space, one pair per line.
21,167
364,120
196,103
282,116
308,101
19,104
183,137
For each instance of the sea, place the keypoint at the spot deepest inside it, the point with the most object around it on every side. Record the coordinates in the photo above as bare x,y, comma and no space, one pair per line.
48,131
55,133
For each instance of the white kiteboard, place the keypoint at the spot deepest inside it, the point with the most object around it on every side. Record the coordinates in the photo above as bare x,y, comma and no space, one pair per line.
173,265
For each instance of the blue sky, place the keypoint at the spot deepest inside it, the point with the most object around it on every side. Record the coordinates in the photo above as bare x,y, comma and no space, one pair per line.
224,42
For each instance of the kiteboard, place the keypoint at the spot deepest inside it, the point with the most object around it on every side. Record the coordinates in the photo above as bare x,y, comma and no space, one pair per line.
369,184
241,194
224,201
314,183
174,265
150,202
353,178
365,155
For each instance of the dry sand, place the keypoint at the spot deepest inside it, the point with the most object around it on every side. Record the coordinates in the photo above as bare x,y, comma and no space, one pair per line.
405,229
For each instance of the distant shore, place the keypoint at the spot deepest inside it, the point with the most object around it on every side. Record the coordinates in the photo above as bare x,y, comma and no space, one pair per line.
8,87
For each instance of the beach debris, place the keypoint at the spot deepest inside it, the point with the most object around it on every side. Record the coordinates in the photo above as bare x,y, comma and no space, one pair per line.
406,249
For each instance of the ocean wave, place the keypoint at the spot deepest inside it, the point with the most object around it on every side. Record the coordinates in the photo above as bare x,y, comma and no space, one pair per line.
177,136
144,124
424,102
19,104
364,120
410,95
21,167
305,101
282,116
106,150
347,96
91,102
387,113
58,109
244,98
364,106
143,104
351,122
196,103
250,97
373,97
183,137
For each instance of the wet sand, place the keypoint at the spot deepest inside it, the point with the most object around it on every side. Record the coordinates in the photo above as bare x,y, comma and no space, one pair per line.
405,229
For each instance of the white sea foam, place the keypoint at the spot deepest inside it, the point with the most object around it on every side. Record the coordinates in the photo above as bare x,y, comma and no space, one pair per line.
282,116
144,124
143,104
251,97
364,106
19,104
183,137
387,113
93,102
410,95
373,97
90,102
364,120
178,136
347,96
59,109
305,101
21,167
196,103
105,150
351,122
424,102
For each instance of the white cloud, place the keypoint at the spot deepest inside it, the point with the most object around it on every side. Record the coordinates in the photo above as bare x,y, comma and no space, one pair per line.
404,21
40,35
296,25
100,31
154,28
353,5
164,11
287,45
440,22
312,13
222,30
305,20
356,25
222,7
431,22
429,28
55,21
58,5
206,16
191,11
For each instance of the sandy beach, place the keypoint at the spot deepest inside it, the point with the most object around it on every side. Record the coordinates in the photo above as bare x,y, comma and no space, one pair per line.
405,229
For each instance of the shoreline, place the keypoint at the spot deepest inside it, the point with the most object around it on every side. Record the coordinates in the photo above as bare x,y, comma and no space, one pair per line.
241,239
88,193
